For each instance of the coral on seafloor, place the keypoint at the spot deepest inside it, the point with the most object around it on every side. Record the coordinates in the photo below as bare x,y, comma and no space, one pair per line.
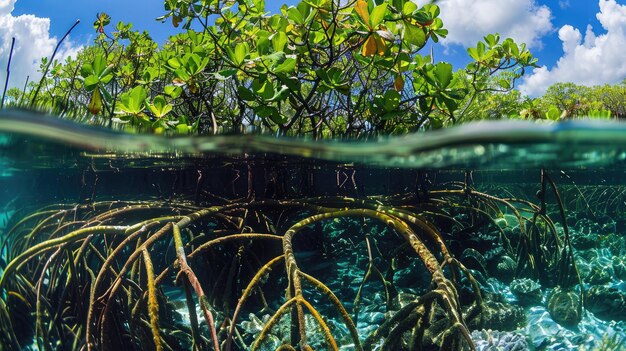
565,307
527,291
619,267
499,316
493,340
606,303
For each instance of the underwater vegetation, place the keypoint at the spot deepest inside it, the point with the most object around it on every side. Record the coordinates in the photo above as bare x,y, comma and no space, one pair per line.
411,271
438,265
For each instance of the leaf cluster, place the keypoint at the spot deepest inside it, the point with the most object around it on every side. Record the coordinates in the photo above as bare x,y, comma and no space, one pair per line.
561,101
323,68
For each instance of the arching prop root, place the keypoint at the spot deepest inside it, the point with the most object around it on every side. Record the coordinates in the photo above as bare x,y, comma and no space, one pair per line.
105,275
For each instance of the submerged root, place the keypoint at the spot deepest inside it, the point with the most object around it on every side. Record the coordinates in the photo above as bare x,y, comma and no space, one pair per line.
105,275
153,304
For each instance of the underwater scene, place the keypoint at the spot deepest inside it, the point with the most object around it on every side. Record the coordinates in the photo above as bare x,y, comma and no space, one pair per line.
514,242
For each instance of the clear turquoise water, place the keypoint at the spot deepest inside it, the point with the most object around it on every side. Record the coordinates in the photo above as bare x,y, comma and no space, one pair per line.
49,162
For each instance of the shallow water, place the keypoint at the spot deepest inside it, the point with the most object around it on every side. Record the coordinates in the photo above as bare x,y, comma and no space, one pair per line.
469,213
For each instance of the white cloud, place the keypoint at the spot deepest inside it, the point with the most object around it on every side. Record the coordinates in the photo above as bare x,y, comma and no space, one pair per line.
6,6
32,42
596,59
563,4
468,21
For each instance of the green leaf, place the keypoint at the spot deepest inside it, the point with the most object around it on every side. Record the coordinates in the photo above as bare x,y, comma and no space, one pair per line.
421,16
294,14
451,104
473,52
292,82
241,50
443,73
304,8
86,70
343,88
432,9
138,96
132,102
553,113
477,53
492,39
106,79
288,66
259,5
194,126
173,91
408,8
182,128
279,40
378,15
263,44
149,74
107,70
193,63
91,82
263,88
159,102
282,94
99,65
272,113
182,74
391,100
174,63
245,94
159,106
414,35
323,75
505,83
435,123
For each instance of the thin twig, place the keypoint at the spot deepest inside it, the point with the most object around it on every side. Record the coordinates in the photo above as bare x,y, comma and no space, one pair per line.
6,82
45,72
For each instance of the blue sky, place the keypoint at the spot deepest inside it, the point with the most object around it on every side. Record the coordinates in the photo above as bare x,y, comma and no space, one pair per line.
142,13
556,31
